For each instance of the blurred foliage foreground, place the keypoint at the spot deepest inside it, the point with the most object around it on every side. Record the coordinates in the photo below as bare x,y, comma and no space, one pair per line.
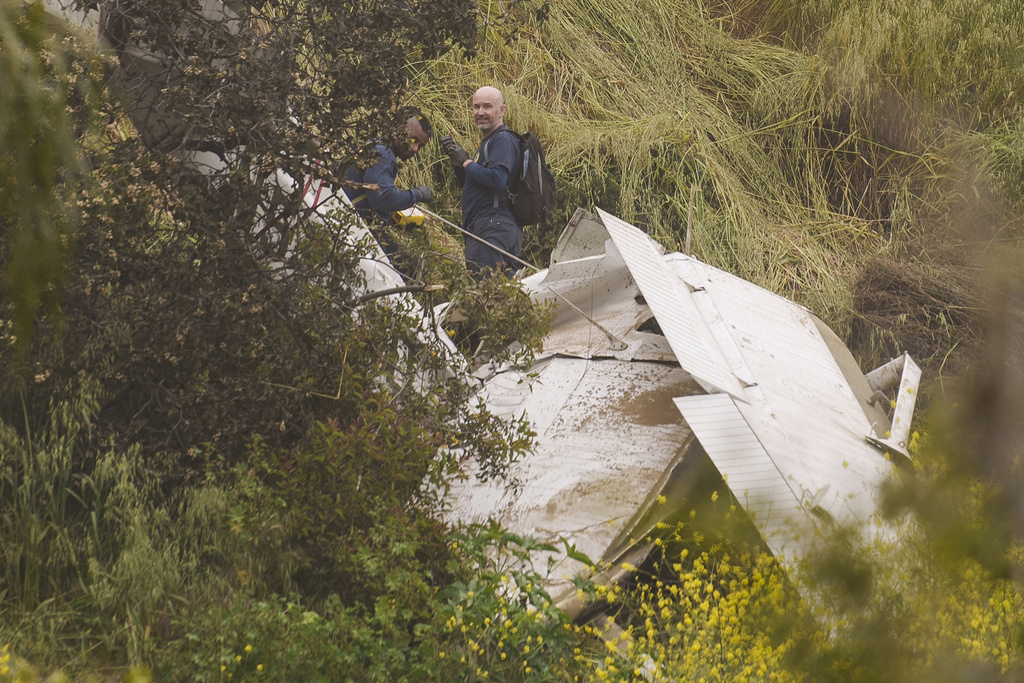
209,471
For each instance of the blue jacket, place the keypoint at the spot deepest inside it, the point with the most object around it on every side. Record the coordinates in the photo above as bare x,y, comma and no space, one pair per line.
389,198
487,178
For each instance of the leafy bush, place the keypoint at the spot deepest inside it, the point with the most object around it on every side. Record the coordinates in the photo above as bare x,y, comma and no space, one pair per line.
244,638
498,622
492,620
51,93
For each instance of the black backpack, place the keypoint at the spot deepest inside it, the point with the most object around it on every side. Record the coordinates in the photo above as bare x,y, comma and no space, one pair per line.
531,189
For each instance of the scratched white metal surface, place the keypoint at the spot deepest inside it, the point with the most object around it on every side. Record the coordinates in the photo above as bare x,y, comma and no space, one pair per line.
584,235
602,288
607,431
802,407
685,329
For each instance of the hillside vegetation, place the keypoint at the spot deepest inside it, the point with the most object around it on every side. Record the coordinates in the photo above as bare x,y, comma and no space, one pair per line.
208,473
863,159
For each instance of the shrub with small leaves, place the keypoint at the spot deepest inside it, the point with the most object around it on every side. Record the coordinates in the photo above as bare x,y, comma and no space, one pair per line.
499,623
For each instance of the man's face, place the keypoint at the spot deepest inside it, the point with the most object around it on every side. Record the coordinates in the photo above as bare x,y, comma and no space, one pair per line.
488,111
415,138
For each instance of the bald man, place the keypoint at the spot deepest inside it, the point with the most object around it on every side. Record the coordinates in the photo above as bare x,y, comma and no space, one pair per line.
486,210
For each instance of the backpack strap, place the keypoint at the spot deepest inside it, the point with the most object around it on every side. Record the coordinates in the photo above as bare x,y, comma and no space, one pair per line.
483,159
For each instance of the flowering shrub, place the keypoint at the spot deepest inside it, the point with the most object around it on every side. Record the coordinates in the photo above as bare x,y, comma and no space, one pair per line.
698,615
867,609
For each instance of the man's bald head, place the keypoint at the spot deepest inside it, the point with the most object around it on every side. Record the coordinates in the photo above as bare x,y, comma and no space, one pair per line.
488,109
491,93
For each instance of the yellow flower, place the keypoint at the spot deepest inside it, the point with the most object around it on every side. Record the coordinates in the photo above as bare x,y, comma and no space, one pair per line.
662,500
248,648
259,667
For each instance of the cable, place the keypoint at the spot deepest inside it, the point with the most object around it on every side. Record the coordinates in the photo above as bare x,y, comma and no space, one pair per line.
478,239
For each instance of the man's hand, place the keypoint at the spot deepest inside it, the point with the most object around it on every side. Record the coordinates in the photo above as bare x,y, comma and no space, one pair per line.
425,194
454,151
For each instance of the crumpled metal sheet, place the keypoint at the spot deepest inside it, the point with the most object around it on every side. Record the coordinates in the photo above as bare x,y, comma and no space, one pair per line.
650,355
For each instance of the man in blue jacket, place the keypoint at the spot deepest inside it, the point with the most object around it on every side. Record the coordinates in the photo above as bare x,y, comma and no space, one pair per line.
376,206
486,210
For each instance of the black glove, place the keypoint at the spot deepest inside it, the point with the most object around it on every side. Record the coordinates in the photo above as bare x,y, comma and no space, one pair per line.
425,194
454,151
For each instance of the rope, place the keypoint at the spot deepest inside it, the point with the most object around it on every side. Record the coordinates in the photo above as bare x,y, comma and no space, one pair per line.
478,239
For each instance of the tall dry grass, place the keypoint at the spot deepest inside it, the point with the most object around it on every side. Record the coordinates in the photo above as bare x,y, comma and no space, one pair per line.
960,59
801,159
644,105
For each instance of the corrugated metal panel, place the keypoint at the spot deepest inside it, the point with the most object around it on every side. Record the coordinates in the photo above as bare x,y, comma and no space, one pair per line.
751,474
673,306
801,407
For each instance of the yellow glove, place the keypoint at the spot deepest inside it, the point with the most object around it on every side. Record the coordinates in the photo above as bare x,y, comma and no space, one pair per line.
412,216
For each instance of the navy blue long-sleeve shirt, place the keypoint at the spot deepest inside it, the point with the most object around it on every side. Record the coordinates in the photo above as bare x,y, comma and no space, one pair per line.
389,198
488,177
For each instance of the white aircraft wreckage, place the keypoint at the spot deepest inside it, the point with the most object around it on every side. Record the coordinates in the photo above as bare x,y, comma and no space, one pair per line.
658,361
